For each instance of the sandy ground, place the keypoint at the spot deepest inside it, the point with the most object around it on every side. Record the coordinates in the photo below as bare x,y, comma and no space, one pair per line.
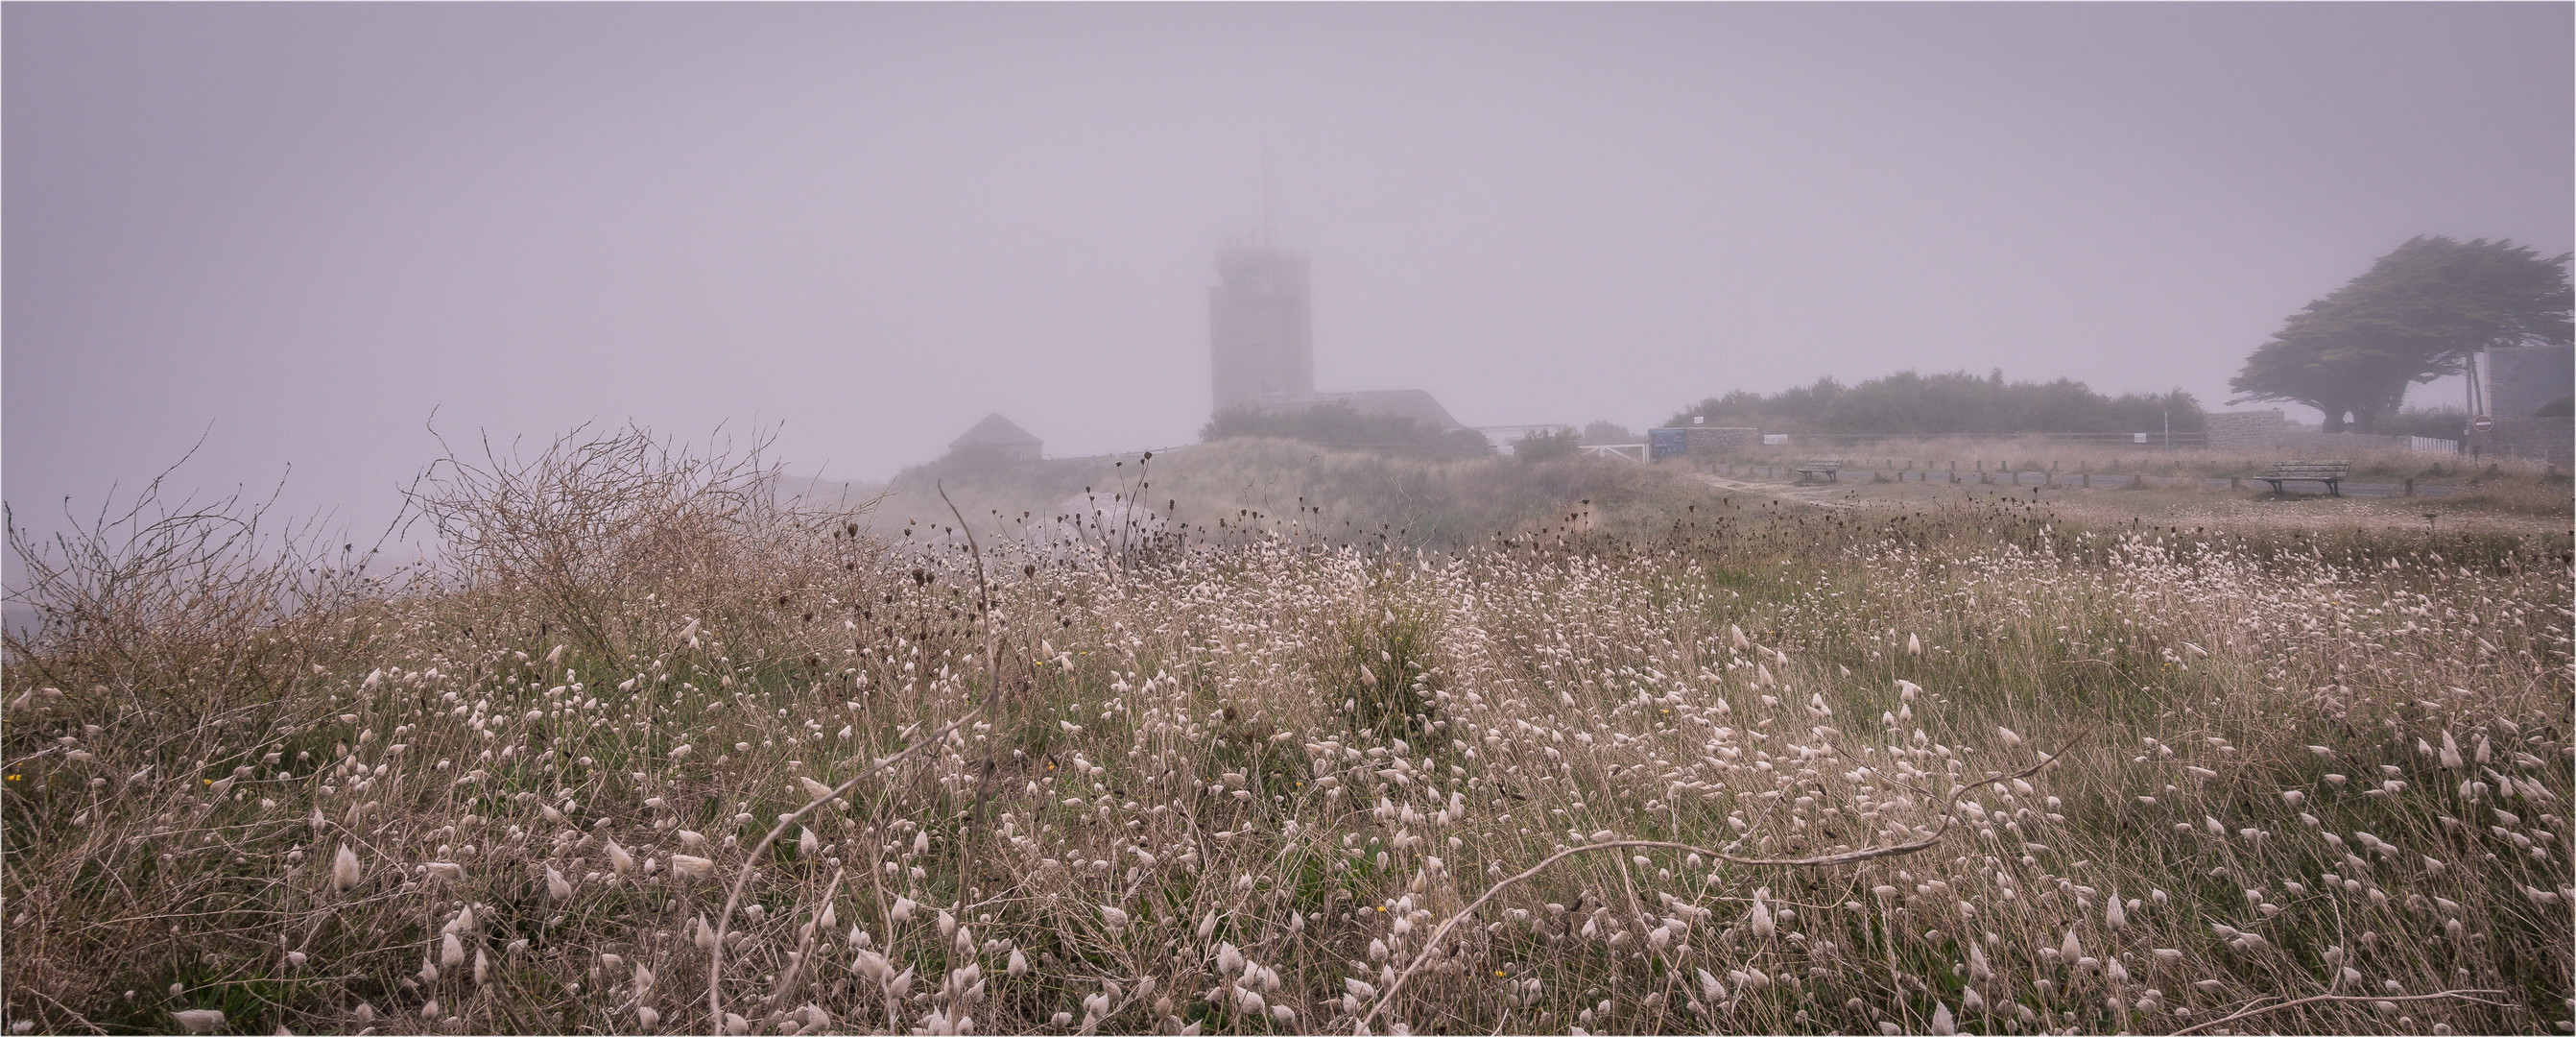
2173,507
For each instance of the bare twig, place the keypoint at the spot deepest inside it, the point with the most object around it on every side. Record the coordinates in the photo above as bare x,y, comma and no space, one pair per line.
1949,819
804,946
992,661
2463,995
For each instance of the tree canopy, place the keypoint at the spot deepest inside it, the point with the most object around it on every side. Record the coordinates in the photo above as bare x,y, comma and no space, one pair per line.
2416,315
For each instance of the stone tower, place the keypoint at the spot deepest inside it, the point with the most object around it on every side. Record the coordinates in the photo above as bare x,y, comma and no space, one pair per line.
1259,344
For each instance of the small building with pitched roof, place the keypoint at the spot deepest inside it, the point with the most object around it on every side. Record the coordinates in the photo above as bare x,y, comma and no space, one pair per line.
997,438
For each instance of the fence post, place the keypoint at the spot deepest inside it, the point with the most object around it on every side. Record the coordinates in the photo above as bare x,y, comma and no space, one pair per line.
2410,487
2088,480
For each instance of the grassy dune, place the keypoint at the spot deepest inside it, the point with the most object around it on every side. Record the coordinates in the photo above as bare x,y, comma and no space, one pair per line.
1337,496
1243,784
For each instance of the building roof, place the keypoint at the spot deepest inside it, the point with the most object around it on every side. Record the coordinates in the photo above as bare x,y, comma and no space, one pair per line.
995,430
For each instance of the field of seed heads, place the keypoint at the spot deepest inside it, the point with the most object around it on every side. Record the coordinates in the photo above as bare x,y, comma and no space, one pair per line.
1241,788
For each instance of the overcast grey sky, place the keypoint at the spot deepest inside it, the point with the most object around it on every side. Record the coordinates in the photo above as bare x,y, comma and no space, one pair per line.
310,225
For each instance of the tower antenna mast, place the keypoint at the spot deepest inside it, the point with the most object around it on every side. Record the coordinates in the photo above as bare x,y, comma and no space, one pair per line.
1266,238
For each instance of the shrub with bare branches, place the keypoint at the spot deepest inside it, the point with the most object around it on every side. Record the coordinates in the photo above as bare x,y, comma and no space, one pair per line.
604,518
155,585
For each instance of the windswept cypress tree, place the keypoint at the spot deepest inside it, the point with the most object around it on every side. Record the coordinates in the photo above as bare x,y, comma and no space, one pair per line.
2416,315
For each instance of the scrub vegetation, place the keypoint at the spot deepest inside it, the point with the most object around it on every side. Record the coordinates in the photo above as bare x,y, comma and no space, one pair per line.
1723,765
1910,404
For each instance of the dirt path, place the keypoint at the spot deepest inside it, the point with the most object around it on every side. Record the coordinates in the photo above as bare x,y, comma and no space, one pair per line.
2166,506
1835,496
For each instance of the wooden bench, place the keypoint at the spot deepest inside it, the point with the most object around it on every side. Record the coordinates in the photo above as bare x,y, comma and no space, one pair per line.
2330,473
1824,466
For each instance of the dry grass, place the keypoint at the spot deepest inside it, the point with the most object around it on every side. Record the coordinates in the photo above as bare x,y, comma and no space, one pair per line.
1236,785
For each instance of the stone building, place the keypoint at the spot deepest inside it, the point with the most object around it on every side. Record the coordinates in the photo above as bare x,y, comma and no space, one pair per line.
2531,391
996,438
2521,380
1260,337
1261,348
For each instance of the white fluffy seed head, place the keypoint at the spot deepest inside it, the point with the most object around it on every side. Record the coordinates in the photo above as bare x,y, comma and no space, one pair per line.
344,869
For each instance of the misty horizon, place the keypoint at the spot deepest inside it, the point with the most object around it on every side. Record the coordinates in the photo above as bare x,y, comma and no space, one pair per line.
302,231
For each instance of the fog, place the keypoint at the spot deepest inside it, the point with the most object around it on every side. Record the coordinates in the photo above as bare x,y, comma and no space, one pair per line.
300,231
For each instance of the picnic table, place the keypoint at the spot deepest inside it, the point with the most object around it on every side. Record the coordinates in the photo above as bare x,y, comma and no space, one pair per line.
1824,466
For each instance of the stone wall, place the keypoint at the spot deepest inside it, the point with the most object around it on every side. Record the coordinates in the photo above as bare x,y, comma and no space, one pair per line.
2540,439
2251,430
1704,439
2271,432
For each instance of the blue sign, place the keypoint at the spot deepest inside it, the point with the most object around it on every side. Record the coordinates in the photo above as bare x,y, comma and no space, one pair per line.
1666,442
